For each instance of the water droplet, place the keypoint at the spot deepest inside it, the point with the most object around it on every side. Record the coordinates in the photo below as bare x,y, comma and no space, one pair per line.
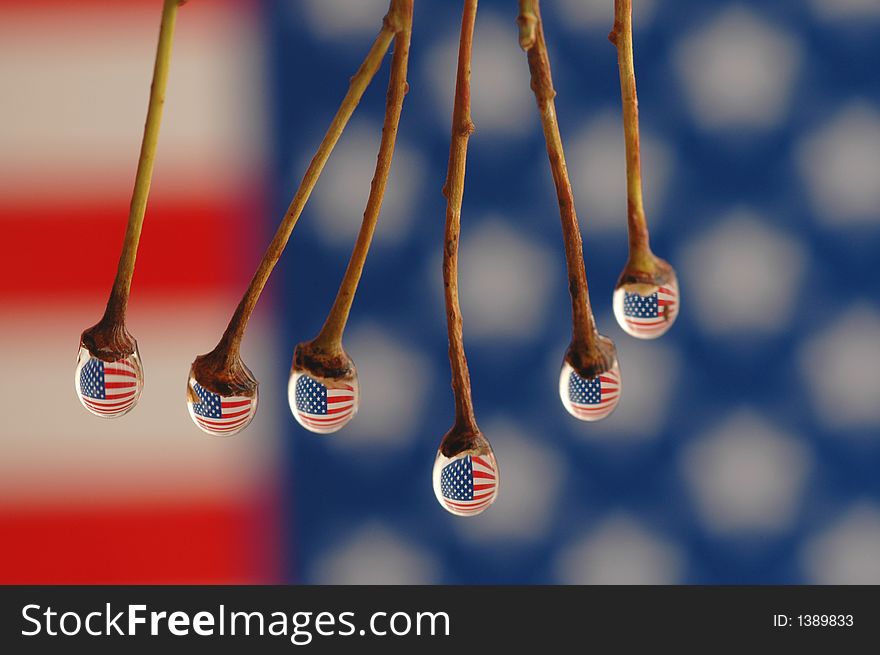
322,405
467,483
221,416
108,389
589,399
646,311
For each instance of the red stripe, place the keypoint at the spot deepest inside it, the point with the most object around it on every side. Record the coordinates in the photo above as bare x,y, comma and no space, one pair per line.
119,371
655,321
595,412
219,421
481,461
179,540
219,424
321,428
237,403
474,509
650,329
139,6
126,398
332,400
118,396
602,402
322,419
468,506
234,414
129,4
597,417
337,410
612,380
99,401
98,405
200,232
231,428
483,475
101,410
120,385
333,419
593,408
322,424
480,487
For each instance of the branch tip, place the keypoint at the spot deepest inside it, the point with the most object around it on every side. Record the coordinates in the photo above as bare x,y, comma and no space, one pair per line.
393,21
613,34
527,24
466,128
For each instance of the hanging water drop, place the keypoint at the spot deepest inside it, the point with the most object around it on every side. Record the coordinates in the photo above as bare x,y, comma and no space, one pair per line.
320,404
108,389
466,483
592,398
217,414
646,311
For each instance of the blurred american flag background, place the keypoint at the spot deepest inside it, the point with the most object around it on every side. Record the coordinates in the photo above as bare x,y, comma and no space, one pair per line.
147,498
745,447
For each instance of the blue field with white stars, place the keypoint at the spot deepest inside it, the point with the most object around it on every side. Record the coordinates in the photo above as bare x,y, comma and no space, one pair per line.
746,446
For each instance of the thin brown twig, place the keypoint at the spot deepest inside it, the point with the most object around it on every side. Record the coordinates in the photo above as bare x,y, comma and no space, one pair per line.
223,363
585,338
329,339
462,127
109,339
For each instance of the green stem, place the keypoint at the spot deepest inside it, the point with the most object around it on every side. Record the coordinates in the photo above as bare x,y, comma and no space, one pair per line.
118,302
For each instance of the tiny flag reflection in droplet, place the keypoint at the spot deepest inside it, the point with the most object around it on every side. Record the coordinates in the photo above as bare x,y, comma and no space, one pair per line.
651,314
594,398
322,408
468,484
109,388
219,414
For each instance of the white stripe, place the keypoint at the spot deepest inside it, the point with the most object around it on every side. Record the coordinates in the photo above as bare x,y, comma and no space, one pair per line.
76,82
53,448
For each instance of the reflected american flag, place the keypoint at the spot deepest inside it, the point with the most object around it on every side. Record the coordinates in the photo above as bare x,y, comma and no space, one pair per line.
650,316
109,389
221,414
320,408
594,398
469,484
